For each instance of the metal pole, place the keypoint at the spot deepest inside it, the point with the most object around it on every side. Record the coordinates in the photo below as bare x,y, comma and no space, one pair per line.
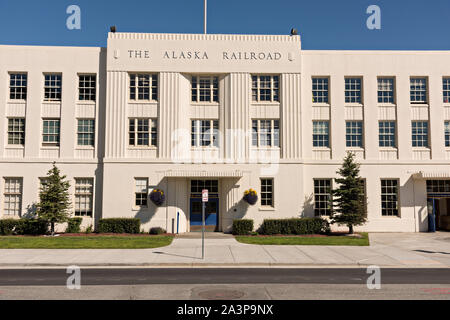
204,16
203,230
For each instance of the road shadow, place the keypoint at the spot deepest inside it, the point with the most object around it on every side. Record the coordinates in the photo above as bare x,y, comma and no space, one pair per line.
426,251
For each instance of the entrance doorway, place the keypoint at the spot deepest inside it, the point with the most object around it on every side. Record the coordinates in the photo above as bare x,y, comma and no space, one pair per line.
438,199
211,209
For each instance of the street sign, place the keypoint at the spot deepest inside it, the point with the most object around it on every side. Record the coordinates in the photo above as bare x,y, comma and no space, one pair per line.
205,195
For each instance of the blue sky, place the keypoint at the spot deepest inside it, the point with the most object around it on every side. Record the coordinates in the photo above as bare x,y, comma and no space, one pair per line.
323,24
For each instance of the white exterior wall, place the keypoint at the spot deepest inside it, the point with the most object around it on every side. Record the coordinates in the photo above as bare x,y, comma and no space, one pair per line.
236,164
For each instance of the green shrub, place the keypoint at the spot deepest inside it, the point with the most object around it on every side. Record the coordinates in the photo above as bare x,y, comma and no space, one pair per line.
88,229
73,225
119,225
7,226
242,226
33,227
157,230
295,226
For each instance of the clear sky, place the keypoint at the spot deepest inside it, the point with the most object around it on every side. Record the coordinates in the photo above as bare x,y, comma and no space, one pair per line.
323,24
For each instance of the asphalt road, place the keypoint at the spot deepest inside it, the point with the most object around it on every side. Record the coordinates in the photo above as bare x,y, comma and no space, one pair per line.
149,276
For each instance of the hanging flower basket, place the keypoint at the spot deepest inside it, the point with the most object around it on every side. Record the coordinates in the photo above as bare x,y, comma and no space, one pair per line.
157,196
250,196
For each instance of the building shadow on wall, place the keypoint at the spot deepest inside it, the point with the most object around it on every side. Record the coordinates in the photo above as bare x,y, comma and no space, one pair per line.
308,206
146,214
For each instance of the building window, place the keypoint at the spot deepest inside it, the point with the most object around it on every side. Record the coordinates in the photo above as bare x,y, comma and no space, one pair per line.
86,132
16,131
389,197
205,133
52,87
84,190
322,197
320,90
13,196
205,89
418,90
144,87
141,192
354,134
87,87
321,134
265,133
50,135
198,185
386,90
265,88
143,132
438,186
447,133
353,90
18,86
446,89
267,192
420,134
386,133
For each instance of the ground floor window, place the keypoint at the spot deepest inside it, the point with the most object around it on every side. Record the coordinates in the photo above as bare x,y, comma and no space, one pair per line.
84,191
13,196
389,197
322,197
267,192
141,192
198,185
438,186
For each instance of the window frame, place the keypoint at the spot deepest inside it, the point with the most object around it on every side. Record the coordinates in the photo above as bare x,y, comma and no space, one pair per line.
22,89
446,89
133,90
212,89
274,90
8,194
271,193
317,211
322,94
416,90
85,133
389,134
447,133
52,89
414,142
351,134
58,135
89,91
77,193
349,99
141,192
274,133
320,134
152,133
21,134
380,79
397,197
197,135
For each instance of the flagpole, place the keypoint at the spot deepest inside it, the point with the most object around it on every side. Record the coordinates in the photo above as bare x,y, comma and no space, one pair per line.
204,16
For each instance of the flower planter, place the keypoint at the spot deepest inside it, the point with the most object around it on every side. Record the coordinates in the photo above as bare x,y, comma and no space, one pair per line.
250,196
157,196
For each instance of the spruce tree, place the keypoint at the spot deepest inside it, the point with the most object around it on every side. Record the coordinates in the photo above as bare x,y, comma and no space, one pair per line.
349,200
54,203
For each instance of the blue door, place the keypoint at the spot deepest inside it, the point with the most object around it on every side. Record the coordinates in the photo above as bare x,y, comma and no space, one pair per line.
211,214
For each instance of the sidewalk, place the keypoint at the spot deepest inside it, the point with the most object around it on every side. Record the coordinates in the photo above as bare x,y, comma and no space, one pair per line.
419,250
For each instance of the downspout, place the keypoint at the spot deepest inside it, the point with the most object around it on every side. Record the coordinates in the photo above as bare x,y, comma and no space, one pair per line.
414,203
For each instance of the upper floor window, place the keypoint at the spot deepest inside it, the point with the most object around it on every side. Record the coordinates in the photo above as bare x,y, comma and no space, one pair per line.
418,90
265,133
386,90
143,132
320,90
354,134
86,132
205,89
144,87
447,133
321,134
267,192
204,133
16,131
386,134
446,89
353,91
389,197
419,133
87,87
265,88
84,191
322,197
18,86
52,87
12,196
50,135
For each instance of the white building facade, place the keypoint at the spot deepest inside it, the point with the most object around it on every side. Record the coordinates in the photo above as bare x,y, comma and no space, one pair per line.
185,112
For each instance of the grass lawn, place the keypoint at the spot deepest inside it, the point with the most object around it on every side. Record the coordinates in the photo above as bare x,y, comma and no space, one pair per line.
84,242
337,240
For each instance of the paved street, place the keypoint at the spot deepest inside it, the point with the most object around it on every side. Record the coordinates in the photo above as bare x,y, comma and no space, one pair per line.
420,250
226,284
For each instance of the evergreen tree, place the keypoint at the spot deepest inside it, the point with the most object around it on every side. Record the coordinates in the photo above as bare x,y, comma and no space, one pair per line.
54,203
349,200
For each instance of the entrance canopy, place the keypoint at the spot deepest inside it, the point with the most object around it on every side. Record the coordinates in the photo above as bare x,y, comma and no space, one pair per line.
203,174
431,175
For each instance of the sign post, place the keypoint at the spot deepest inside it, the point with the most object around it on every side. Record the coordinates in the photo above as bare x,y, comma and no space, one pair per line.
204,201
